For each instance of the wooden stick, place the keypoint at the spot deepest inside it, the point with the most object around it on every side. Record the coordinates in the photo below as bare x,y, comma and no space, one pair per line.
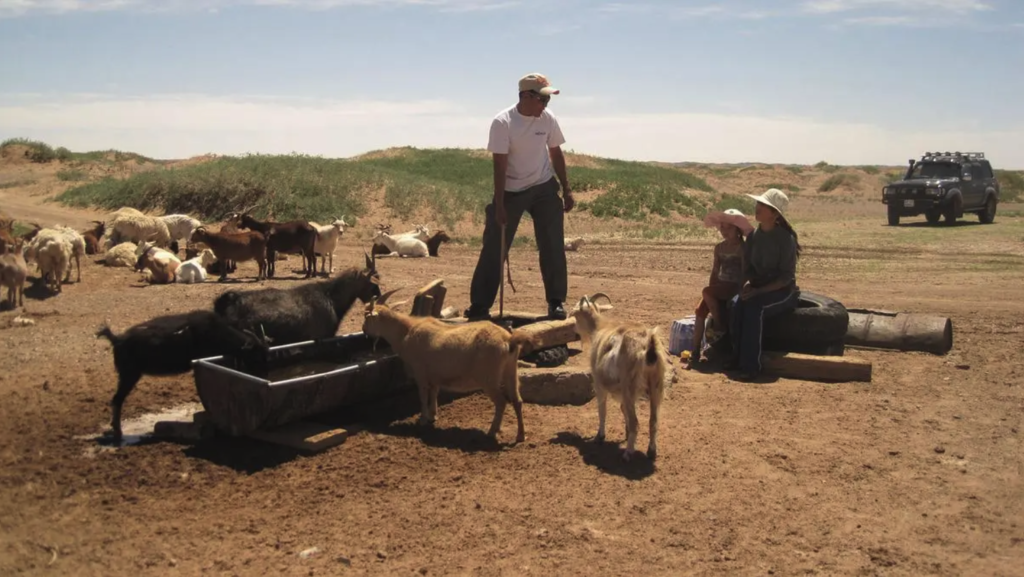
504,255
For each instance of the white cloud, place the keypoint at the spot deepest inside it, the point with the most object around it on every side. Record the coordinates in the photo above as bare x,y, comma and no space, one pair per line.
176,126
14,8
833,6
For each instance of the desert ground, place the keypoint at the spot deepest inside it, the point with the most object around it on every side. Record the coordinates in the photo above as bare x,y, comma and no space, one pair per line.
918,472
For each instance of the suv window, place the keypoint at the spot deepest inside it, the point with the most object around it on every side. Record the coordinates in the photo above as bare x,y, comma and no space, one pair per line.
976,172
935,170
986,170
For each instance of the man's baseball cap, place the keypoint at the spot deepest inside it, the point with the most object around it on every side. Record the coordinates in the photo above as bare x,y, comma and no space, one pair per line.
537,83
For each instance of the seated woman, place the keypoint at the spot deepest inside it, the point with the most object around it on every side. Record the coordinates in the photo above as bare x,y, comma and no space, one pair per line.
769,286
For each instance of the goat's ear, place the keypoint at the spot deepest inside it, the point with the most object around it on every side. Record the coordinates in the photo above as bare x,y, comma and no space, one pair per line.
369,262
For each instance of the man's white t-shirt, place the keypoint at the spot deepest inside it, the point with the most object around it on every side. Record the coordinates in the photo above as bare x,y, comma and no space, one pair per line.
526,140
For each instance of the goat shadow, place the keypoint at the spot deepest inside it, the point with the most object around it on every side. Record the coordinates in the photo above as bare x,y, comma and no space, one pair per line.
607,456
391,417
37,290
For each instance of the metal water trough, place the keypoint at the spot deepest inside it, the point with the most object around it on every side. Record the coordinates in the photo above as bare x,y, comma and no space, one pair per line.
305,379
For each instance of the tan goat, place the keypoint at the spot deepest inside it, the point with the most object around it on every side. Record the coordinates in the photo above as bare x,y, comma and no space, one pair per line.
628,362
13,272
454,357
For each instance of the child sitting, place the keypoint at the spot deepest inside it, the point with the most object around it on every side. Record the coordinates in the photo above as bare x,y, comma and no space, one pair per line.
726,273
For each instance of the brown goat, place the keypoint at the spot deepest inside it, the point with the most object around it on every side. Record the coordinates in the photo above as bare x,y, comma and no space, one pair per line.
283,237
92,237
434,242
239,246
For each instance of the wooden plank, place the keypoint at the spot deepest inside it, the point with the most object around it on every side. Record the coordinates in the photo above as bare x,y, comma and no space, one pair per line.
547,334
816,368
304,436
436,290
422,306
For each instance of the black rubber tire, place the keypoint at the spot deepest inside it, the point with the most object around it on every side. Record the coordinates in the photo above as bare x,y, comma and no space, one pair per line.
952,211
816,327
988,214
551,357
933,216
894,216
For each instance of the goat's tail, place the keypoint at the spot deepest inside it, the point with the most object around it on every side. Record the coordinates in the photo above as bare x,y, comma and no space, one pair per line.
653,347
521,342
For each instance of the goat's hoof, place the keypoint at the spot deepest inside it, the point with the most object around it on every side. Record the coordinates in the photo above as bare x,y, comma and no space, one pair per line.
599,439
652,454
520,438
627,455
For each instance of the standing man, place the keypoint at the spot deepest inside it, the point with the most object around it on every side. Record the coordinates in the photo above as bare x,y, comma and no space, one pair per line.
525,142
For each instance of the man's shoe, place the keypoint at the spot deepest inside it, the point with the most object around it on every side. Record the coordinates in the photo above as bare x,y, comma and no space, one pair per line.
475,312
555,310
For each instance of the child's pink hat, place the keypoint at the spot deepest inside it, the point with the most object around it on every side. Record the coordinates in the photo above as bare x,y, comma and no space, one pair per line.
729,216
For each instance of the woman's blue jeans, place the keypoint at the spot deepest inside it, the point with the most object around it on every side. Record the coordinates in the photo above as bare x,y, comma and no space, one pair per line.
747,322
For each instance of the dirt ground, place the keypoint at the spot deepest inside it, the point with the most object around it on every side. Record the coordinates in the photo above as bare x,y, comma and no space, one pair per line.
918,472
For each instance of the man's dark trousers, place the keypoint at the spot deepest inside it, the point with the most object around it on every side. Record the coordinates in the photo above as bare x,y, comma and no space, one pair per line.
547,210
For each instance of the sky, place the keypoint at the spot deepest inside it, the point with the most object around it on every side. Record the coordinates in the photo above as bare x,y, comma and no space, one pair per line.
789,81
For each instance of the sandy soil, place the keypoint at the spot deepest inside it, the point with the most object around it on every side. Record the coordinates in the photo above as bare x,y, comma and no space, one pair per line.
916,473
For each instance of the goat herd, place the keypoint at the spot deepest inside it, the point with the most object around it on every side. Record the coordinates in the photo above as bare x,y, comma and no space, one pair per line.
150,244
627,360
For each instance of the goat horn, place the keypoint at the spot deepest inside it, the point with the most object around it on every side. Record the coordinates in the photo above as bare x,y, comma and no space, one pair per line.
384,297
595,296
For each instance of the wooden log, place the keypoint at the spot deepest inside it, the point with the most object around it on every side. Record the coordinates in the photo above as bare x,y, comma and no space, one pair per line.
559,386
549,334
816,368
899,331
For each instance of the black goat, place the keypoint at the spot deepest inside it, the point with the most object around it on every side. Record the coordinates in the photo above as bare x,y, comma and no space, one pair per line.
167,345
310,311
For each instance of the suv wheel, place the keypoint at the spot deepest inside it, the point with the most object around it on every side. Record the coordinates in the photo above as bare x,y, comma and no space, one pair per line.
988,214
933,216
894,216
952,210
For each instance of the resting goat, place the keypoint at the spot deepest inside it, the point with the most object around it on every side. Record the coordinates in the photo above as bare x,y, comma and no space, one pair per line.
167,345
309,311
159,265
628,362
454,357
407,246
193,270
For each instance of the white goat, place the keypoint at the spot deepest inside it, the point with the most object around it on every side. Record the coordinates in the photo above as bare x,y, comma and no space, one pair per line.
406,246
628,362
327,237
160,264
51,251
453,357
180,226
193,270
121,255
77,242
574,244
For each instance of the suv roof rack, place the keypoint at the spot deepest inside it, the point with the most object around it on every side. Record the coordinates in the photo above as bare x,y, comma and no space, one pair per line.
953,155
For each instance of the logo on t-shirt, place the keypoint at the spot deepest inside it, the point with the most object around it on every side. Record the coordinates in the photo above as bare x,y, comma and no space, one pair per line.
540,133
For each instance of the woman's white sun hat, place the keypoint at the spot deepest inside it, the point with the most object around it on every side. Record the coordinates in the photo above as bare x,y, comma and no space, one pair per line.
774,198
729,216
